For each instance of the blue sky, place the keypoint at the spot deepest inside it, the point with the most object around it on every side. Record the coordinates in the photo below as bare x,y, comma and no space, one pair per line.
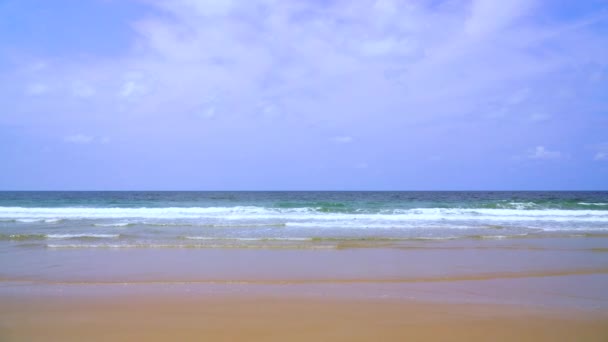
303,95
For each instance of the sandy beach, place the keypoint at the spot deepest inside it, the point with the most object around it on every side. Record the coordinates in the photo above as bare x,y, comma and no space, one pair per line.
260,318
534,289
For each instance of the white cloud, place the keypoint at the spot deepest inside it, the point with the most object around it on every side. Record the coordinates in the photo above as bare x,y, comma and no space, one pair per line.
379,47
36,66
539,117
602,152
208,113
82,90
35,89
207,8
541,153
488,16
268,110
601,156
135,84
132,89
498,113
276,49
518,97
353,66
342,139
79,139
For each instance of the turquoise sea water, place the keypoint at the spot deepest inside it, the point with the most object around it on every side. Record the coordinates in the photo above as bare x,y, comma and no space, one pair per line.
289,219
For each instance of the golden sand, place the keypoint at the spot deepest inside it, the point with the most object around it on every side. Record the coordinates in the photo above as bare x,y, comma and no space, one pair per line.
450,291
256,318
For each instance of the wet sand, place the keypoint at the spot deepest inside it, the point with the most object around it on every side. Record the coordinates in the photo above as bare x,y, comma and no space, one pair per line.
259,318
530,290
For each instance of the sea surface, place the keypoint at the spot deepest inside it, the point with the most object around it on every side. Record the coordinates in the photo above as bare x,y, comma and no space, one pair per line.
141,219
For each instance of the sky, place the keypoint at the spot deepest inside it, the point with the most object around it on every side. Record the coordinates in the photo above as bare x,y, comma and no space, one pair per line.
303,95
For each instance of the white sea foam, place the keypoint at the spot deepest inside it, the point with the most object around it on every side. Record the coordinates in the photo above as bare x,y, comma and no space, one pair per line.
374,224
121,246
92,246
305,217
598,204
83,235
37,220
117,224
206,224
248,239
521,205
35,214
501,237
584,228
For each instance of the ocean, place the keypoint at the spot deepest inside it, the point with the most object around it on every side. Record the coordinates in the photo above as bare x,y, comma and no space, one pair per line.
146,219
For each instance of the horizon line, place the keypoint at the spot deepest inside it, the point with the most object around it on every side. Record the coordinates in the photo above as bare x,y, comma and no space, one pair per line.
427,190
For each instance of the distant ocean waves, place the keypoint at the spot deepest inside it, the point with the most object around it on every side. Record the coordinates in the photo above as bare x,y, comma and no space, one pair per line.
305,216
284,226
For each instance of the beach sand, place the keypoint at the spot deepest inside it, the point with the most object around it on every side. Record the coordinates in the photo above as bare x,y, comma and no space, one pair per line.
259,318
527,290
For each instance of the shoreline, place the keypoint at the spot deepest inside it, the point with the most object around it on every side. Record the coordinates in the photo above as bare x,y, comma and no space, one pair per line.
543,289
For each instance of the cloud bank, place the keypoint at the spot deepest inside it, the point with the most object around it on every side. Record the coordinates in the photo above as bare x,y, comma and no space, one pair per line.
223,81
